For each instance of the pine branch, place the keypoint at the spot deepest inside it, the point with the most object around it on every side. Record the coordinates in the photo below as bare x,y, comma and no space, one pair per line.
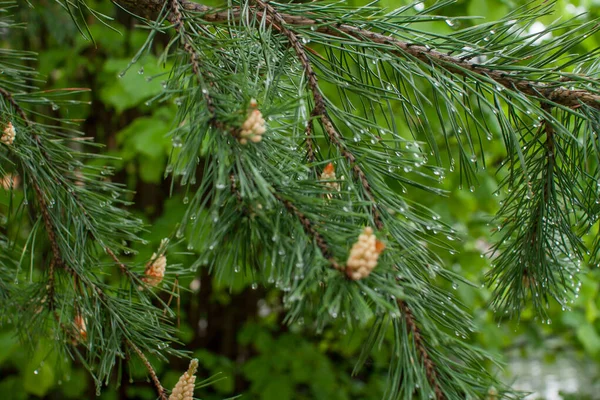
57,257
177,19
547,93
422,348
320,107
311,231
9,97
159,388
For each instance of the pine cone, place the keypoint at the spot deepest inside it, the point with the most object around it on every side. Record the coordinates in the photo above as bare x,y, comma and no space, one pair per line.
363,255
254,126
184,389
8,137
155,270
328,175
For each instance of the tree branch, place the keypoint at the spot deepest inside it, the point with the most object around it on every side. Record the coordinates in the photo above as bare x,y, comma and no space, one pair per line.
311,231
455,65
159,387
57,258
320,109
430,370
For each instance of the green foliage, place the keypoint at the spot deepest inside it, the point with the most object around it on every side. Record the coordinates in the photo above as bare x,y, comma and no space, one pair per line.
152,122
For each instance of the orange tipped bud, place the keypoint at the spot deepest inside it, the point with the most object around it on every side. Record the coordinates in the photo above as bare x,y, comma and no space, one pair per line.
329,169
80,325
379,246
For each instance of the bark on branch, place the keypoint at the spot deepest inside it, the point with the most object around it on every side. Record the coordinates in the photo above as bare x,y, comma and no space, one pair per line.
555,94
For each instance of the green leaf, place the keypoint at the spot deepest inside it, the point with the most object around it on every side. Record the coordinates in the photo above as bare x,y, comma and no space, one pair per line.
588,336
38,378
131,89
279,388
8,343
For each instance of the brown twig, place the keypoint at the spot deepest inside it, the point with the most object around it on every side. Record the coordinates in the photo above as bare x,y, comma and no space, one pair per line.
311,231
159,388
430,370
9,97
177,19
310,147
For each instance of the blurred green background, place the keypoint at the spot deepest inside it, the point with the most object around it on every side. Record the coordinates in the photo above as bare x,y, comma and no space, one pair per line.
237,331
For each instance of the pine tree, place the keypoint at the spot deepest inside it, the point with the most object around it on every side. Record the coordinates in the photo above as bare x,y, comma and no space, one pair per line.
305,189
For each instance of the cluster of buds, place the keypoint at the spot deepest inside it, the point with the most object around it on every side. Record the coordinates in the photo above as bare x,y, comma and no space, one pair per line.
8,135
328,176
363,255
80,328
10,181
254,126
184,389
155,269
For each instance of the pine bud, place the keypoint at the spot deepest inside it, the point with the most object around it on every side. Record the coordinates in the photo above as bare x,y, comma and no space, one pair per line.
254,126
184,389
8,135
363,255
328,175
155,269
80,327
10,181
492,394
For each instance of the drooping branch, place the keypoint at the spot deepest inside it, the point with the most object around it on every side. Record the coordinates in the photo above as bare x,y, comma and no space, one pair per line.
57,257
549,93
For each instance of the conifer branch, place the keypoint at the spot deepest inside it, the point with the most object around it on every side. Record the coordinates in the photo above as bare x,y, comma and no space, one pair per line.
548,93
320,107
311,231
44,207
9,97
310,146
177,19
159,388
57,258
430,369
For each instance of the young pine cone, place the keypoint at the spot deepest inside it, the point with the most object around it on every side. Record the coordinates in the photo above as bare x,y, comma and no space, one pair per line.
155,269
80,328
184,389
363,255
8,135
254,126
328,176
10,181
